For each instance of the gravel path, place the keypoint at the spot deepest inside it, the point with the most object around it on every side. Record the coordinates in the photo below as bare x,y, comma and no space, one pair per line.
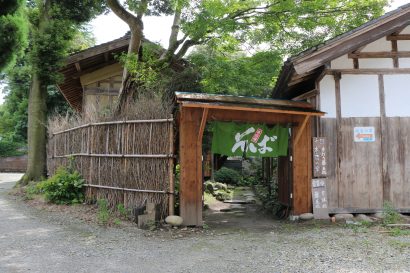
33,240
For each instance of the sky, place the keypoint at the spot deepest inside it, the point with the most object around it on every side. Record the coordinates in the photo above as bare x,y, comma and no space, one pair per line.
157,29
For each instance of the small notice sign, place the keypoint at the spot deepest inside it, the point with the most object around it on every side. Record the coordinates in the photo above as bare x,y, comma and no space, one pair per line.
319,198
364,134
319,157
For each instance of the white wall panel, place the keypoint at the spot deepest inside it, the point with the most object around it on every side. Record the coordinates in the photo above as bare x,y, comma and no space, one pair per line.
397,95
403,45
406,30
376,63
342,62
378,45
359,96
404,62
328,96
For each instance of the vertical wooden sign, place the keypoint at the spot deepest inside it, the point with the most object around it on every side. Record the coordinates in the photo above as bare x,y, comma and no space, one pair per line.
319,198
319,157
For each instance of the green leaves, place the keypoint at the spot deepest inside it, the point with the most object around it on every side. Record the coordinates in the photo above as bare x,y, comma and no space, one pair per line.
13,29
64,187
237,74
289,25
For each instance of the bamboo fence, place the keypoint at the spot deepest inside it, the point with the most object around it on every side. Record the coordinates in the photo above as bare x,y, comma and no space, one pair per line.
127,162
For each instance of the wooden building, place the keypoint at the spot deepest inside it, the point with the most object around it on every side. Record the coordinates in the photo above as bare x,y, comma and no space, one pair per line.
92,77
361,79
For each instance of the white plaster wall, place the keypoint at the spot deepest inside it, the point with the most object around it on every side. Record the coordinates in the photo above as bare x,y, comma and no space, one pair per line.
342,62
376,63
404,62
397,95
406,30
359,95
403,45
378,45
328,96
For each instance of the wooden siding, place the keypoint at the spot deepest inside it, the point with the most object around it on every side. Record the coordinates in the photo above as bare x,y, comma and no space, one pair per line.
363,185
398,157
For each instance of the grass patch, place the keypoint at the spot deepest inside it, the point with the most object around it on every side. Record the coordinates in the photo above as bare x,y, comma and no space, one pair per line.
399,245
390,214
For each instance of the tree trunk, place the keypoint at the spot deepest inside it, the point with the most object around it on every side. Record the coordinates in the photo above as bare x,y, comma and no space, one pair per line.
126,93
37,120
37,117
136,26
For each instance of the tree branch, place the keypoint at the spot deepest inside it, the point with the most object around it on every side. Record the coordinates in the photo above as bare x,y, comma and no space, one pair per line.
131,20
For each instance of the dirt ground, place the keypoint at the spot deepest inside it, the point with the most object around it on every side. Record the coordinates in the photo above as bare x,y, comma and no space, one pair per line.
42,238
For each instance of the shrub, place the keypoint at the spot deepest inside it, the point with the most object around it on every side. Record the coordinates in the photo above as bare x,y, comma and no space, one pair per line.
65,187
222,195
390,215
11,148
228,176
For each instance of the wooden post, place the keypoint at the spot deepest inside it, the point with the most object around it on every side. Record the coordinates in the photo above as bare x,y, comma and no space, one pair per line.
190,158
171,204
384,141
339,150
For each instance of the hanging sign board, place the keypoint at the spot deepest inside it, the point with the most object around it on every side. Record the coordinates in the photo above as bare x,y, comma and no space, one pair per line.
364,134
319,198
235,139
319,157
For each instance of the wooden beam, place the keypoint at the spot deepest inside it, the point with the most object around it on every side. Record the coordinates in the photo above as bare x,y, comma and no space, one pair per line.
92,69
100,49
370,71
307,95
300,130
77,66
205,98
202,126
384,141
351,42
250,109
339,150
384,54
394,49
398,37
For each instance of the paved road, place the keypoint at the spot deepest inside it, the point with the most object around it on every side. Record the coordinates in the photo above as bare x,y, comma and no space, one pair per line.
32,240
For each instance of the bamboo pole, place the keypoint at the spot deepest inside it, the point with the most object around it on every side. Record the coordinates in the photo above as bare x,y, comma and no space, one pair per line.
118,155
114,122
122,189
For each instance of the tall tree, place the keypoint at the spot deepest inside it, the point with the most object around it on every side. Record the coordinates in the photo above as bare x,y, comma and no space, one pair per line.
13,116
286,26
53,24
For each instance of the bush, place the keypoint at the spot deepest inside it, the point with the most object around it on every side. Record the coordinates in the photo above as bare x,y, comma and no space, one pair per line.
390,214
228,176
11,148
65,187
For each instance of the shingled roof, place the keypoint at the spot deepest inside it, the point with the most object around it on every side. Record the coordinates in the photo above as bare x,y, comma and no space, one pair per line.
299,72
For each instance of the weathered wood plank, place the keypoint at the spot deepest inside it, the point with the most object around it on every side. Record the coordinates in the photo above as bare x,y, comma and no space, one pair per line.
370,71
329,131
398,156
302,170
190,159
385,54
361,183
